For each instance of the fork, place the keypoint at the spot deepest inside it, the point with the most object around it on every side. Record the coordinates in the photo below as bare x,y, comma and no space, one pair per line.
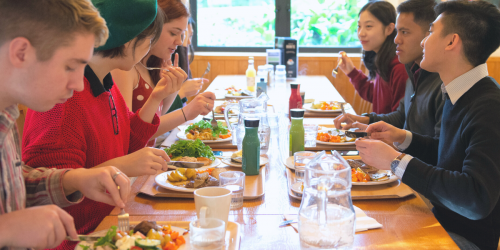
123,221
151,68
206,71
214,122
335,71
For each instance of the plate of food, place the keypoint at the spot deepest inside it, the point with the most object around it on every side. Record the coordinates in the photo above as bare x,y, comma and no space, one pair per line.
221,106
188,179
237,158
204,131
146,235
298,187
192,151
324,106
366,175
334,137
233,92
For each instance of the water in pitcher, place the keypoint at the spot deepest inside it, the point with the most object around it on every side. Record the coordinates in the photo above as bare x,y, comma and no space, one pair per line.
336,234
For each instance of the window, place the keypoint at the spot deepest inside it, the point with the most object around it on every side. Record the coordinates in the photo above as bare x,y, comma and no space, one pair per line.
251,25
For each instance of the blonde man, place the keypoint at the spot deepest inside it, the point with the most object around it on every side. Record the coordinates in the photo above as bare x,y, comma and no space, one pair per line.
44,48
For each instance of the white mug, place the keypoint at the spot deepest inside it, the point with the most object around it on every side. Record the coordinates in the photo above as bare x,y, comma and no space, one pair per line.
212,202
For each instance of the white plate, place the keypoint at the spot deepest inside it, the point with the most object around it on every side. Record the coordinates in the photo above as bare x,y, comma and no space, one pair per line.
103,232
290,163
163,182
323,111
239,97
215,163
392,178
181,135
227,161
296,187
336,143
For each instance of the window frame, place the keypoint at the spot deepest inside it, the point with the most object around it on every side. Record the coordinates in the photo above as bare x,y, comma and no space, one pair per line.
282,29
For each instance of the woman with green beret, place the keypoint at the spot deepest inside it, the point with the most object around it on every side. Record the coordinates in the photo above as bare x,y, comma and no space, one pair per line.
95,128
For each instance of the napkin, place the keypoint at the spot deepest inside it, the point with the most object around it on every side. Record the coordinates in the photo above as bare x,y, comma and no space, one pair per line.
363,222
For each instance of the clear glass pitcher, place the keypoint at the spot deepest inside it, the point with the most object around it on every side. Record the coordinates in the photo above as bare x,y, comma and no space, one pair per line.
250,108
326,216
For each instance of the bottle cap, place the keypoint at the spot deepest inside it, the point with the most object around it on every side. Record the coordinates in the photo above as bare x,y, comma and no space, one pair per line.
294,85
252,122
262,79
297,113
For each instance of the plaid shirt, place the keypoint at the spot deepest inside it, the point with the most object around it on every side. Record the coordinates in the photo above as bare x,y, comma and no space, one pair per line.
21,185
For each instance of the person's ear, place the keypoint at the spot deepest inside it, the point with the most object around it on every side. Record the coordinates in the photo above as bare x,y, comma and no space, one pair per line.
389,29
21,52
454,42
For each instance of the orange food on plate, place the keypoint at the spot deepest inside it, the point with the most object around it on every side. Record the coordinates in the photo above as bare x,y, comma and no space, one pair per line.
326,137
359,176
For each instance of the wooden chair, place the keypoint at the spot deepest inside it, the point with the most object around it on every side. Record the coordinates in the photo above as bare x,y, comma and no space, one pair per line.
359,104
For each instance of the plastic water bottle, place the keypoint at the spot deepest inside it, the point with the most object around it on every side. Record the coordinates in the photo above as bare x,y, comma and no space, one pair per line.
280,76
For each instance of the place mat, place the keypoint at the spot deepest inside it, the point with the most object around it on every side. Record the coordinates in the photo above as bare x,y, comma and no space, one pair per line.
393,190
363,222
223,145
254,187
310,114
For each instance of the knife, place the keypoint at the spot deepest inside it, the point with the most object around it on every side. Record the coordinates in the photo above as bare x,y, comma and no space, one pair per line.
184,164
84,238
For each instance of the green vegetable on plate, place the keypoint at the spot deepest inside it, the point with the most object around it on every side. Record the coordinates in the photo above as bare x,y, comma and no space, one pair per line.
194,148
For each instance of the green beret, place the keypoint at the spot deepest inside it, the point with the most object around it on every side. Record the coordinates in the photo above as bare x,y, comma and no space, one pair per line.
125,19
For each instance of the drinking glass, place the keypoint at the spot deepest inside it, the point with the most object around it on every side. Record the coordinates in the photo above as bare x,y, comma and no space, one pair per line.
310,134
207,234
234,181
300,160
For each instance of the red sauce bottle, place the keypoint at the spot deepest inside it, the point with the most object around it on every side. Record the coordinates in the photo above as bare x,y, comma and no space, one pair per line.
295,99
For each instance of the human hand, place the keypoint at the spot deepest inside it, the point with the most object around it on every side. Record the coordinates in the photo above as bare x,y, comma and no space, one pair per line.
191,87
349,119
202,104
170,82
346,65
146,161
376,153
93,184
37,227
386,132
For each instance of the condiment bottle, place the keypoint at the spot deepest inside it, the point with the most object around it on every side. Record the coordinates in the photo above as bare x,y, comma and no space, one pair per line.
251,147
297,131
261,86
250,73
295,99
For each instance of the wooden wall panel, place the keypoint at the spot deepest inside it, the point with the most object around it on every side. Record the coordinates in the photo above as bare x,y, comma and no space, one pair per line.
237,65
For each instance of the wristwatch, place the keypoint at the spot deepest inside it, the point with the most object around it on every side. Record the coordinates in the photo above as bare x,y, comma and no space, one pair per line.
396,161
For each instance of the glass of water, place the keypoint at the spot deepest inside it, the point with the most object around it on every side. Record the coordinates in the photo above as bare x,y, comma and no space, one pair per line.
300,159
310,134
234,181
207,234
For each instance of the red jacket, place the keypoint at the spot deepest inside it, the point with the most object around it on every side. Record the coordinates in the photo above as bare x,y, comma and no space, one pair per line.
79,133
384,96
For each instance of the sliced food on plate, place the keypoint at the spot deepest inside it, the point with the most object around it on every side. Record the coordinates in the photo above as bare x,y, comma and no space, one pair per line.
147,235
221,108
324,105
203,130
192,151
334,136
190,178
361,172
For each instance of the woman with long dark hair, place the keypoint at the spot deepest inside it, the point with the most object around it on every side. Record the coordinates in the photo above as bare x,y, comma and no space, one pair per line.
385,85
137,84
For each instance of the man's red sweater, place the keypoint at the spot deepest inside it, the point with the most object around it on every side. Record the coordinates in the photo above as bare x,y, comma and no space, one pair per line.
384,96
79,133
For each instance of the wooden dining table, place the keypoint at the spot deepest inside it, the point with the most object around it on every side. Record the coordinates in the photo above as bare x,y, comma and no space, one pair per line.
407,222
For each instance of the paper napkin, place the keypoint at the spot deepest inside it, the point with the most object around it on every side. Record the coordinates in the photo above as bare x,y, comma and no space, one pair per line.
363,222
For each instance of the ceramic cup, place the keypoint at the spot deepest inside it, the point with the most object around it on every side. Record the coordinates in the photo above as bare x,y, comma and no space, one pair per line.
212,202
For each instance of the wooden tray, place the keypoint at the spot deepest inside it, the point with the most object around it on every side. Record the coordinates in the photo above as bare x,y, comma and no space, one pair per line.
392,190
254,187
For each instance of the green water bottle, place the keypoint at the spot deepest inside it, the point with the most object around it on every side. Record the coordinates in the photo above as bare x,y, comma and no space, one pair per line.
297,131
251,147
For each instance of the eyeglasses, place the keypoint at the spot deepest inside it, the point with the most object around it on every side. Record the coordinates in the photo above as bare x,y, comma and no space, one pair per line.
114,114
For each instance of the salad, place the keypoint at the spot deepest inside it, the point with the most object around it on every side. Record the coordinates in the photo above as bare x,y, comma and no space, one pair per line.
145,236
203,130
326,105
194,148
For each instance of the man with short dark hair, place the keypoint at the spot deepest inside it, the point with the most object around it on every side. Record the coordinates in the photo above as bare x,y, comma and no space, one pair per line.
458,172
421,109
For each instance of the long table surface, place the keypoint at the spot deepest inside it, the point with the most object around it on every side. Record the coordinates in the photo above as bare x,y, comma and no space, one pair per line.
407,222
